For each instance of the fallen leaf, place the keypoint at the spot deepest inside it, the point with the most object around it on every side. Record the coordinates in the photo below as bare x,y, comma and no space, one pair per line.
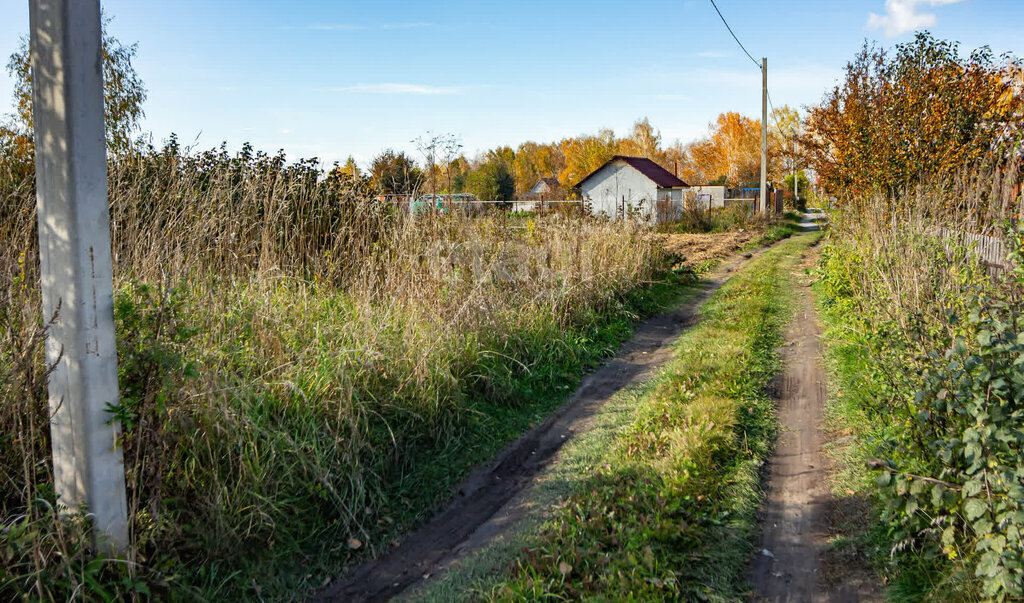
354,543
564,568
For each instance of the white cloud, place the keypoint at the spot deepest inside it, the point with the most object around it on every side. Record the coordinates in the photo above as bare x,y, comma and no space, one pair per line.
391,88
284,132
902,16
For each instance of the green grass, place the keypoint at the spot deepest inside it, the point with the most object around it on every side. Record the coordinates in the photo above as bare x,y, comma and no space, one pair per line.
308,547
855,384
279,429
659,500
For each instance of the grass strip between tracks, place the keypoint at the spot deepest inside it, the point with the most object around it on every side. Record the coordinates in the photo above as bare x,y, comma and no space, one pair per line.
659,499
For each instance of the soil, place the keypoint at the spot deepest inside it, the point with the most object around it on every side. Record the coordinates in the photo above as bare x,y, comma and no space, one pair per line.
794,561
489,501
696,249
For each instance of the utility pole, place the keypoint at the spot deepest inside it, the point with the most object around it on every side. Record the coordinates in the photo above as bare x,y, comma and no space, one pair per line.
75,265
764,137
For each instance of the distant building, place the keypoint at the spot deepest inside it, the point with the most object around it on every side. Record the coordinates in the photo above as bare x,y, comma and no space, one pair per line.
545,189
709,196
633,186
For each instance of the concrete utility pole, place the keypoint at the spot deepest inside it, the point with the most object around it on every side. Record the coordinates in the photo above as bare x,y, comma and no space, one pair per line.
764,136
74,258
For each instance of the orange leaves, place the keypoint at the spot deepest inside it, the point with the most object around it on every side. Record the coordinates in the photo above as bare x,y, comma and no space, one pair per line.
922,112
733,149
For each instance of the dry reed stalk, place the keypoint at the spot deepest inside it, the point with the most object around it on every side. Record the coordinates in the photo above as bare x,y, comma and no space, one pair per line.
332,339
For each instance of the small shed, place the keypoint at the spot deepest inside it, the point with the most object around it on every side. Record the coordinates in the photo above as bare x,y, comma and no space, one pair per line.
633,186
709,196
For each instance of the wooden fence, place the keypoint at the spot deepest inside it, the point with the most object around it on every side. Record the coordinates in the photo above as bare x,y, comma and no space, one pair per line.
990,250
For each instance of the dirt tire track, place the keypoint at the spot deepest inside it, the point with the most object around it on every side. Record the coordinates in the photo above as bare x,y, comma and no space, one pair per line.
487,502
787,565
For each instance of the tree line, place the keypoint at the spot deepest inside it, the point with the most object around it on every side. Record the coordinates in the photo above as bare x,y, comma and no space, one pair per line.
729,153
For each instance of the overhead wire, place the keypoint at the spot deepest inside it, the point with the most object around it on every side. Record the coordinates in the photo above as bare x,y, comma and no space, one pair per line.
752,59
759,66
722,17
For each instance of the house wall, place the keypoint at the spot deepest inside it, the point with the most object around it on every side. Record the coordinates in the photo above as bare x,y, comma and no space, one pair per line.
617,181
669,206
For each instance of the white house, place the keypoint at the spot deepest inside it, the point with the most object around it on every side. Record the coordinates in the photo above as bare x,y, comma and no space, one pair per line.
633,186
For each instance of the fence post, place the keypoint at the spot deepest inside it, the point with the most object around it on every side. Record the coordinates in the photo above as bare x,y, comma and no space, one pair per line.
75,263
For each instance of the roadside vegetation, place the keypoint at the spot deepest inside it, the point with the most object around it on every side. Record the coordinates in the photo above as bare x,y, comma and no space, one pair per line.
304,369
664,506
922,149
303,373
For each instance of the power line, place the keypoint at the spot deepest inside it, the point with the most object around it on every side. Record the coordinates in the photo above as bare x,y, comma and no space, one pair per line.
753,60
773,110
758,65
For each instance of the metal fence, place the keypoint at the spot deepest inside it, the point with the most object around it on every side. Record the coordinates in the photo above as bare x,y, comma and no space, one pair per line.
421,205
752,204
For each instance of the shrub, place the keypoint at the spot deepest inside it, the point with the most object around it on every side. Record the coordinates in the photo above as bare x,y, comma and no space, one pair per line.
942,340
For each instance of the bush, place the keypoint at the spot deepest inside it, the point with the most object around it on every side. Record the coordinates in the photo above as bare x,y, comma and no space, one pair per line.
697,219
942,340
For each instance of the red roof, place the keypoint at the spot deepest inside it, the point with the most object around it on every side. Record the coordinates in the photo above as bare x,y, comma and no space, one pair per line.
657,174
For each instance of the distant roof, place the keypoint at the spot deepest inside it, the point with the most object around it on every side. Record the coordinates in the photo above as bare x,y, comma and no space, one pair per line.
552,181
657,174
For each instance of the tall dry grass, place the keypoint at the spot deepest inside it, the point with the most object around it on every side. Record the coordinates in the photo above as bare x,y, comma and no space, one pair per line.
910,259
292,359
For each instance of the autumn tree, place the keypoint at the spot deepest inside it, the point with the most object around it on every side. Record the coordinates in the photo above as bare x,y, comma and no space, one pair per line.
458,174
922,112
676,159
395,173
783,142
492,179
585,154
347,174
803,186
534,161
351,168
123,96
732,149
643,141
731,152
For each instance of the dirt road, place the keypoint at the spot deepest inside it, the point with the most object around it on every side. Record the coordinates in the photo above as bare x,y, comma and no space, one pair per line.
787,564
488,501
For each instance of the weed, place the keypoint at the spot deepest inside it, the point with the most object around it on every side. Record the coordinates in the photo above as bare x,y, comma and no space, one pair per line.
304,372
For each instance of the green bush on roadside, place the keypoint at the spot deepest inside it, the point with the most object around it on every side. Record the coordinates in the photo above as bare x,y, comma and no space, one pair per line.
946,424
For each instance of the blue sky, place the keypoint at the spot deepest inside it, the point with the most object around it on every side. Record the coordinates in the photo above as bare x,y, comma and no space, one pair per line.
333,79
